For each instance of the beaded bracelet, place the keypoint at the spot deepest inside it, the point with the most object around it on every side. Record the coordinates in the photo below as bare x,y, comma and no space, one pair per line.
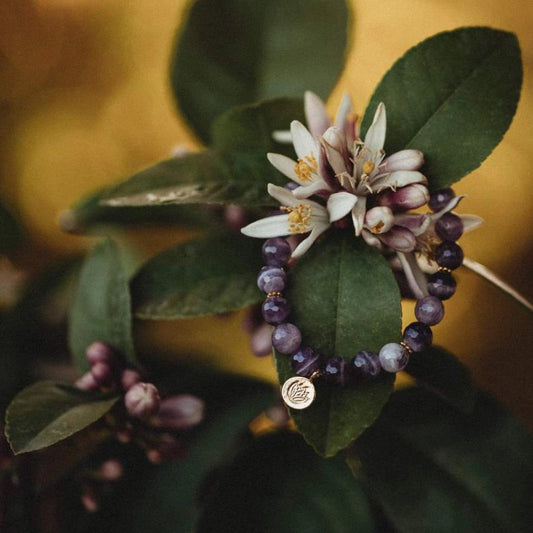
298,392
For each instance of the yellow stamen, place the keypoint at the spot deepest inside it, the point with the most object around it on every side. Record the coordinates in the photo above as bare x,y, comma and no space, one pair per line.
368,167
305,167
378,227
298,218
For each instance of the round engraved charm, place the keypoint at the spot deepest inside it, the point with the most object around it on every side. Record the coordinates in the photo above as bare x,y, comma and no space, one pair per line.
298,392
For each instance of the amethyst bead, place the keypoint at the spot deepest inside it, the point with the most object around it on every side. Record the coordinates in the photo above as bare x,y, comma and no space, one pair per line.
440,199
393,357
450,255
337,371
271,279
275,310
449,227
418,336
366,364
286,338
429,310
305,361
276,252
442,285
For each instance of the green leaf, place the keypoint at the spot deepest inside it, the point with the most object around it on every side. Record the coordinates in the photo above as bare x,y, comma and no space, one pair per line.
278,484
48,412
443,374
102,307
203,277
452,96
344,299
10,231
233,52
433,469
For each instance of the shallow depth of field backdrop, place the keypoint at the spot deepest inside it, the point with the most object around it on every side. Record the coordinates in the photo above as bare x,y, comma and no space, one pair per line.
84,102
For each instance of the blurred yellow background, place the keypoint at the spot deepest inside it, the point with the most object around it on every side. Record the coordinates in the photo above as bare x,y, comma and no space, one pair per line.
85,102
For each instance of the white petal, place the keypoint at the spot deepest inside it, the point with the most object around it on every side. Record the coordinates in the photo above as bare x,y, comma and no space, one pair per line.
471,222
282,136
315,114
375,136
404,160
358,215
308,241
417,223
285,165
340,204
276,226
415,277
395,180
334,143
282,195
371,239
379,219
345,108
306,191
303,141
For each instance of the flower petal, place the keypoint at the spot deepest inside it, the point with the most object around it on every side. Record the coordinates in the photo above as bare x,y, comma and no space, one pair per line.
371,239
282,136
315,114
470,222
340,204
317,230
379,219
285,165
303,141
265,228
286,198
452,204
343,111
404,160
375,136
417,223
358,215
305,191
395,180
399,239
334,143
415,277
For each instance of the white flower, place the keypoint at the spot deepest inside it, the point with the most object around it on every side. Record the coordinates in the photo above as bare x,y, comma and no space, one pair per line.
302,216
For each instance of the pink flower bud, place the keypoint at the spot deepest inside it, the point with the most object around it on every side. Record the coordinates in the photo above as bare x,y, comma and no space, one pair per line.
142,400
98,352
235,217
399,239
261,340
404,160
179,412
102,374
89,501
379,219
128,378
409,197
86,382
111,470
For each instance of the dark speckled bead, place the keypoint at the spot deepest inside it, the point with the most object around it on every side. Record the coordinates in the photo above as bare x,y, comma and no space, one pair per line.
450,255
418,336
449,227
276,252
286,338
442,285
429,310
275,310
305,361
366,364
337,371
440,199
271,279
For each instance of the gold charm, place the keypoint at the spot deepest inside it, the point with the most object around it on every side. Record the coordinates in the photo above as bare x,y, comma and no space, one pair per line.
298,392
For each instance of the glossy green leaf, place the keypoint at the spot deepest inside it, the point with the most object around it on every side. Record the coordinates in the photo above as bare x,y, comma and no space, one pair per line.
279,484
443,374
433,469
10,231
233,52
344,299
47,412
452,96
102,306
202,277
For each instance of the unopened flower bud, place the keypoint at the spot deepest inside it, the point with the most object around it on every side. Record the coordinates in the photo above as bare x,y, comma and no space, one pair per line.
399,239
409,197
89,500
102,374
86,382
154,456
334,143
111,470
128,378
235,217
123,436
416,223
99,352
179,412
404,160
379,219
261,340
142,400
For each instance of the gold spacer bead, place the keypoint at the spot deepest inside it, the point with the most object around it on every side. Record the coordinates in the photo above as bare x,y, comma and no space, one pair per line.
407,347
273,294
444,269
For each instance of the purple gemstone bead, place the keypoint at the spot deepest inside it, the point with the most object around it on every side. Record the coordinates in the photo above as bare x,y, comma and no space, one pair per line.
305,361
429,310
442,285
275,310
337,371
291,185
418,336
450,255
276,252
366,364
393,357
449,227
440,199
271,279
286,338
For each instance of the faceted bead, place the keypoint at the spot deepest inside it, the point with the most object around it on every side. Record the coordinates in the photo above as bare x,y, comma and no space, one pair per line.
366,364
440,199
393,357
450,255
337,371
418,336
271,279
276,252
429,310
286,338
449,227
305,361
275,310
442,285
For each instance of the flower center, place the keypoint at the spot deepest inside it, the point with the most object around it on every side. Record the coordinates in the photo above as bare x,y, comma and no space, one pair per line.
368,167
305,167
298,218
